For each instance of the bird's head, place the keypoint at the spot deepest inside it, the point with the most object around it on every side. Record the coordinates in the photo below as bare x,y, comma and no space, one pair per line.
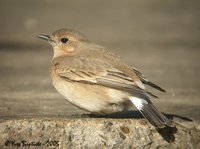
65,41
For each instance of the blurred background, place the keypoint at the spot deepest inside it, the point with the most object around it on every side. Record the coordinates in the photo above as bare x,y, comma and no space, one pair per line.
160,38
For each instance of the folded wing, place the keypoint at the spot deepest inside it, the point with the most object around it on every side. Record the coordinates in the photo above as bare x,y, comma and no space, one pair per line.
95,71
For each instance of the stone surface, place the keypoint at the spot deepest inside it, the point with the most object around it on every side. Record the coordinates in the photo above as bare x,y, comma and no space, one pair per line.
160,38
95,134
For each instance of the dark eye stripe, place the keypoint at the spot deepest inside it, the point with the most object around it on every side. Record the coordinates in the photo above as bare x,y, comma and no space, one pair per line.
64,40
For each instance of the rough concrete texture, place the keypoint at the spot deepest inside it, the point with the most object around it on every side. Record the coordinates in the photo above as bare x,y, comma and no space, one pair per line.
96,134
160,38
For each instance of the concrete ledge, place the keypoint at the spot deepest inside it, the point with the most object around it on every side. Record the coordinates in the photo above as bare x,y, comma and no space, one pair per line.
95,133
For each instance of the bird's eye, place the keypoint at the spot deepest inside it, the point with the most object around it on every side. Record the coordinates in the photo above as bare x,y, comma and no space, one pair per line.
64,40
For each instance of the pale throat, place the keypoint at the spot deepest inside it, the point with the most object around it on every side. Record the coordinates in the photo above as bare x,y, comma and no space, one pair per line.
58,52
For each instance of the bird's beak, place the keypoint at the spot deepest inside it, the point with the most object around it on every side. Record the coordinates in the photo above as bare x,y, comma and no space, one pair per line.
46,37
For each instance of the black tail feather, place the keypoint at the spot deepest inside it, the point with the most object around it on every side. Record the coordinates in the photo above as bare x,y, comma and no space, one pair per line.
154,116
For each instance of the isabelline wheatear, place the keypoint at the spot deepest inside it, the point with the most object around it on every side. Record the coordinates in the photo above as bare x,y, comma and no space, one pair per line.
97,80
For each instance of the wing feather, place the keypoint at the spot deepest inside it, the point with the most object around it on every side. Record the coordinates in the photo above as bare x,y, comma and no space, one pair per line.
94,71
146,81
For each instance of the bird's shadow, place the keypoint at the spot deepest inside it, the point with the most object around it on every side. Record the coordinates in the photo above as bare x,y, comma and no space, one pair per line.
167,133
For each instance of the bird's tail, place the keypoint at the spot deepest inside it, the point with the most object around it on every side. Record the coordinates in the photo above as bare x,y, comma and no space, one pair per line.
150,112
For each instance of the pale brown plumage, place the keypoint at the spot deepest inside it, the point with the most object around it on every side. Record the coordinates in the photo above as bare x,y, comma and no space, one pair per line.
93,69
94,79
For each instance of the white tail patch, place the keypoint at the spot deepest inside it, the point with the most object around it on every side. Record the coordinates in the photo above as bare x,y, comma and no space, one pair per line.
138,102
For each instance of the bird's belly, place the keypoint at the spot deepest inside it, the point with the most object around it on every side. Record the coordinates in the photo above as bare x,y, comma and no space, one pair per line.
93,98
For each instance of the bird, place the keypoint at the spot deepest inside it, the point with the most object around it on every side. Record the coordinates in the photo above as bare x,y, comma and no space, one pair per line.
97,80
